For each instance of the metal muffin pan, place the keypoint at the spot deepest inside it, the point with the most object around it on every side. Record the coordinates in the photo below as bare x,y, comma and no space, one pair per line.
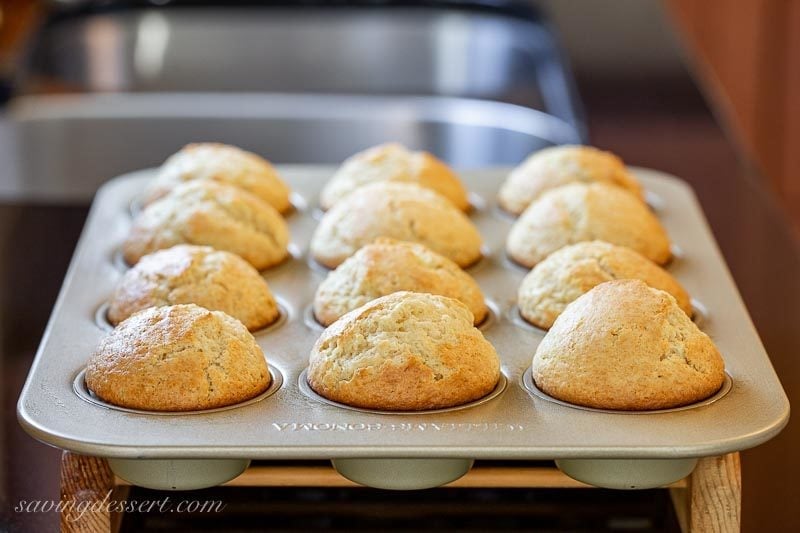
400,451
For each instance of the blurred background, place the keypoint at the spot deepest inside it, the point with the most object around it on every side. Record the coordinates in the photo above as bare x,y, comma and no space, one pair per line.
703,89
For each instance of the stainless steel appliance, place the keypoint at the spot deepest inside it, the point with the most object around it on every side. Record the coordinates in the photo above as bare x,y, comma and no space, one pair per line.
479,84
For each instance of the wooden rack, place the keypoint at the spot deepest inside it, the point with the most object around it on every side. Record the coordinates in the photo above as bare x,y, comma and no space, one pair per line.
708,500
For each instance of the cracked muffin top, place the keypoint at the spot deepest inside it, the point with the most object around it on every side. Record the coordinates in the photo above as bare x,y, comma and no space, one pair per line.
401,211
585,212
394,162
224,164
560,165
386,266
571,271
624,345
404,351
183,274
212,214
177,358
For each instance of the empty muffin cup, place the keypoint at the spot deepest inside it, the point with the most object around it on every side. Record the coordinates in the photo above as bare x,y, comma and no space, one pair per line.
402,474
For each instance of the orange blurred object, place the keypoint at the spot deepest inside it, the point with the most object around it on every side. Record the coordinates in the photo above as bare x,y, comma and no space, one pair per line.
17,19
747,54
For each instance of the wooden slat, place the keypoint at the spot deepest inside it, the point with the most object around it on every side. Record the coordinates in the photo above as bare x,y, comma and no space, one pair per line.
712,499
715,490
481,476
85,483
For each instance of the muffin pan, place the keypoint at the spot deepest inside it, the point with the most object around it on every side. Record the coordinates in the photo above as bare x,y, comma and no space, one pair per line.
400,451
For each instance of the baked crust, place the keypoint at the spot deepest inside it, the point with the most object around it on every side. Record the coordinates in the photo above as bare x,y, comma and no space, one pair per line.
386,266
573,270
207,213
224,164
585,212
560,165
394,162
404,351
401,211
178,358
183,274
624,345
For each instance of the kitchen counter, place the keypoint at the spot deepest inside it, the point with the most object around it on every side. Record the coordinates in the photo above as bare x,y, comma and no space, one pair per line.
668,129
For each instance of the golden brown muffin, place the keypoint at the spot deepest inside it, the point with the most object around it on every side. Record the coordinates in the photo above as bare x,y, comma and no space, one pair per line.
401,211
183,274
386,266
624,345
404,351
560,165
208,213
571,271
177,358
585,212
394,162
224,164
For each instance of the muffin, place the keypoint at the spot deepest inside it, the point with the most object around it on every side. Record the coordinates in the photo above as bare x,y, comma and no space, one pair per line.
394,162
624,345
560,165
386,266
223,164
585,212
183,274
208,213
402,211
177,358
404,351
571,271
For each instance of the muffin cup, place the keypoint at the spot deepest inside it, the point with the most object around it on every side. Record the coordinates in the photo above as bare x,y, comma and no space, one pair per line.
699,313
515,316
306,389
102,321
627,474
491,317
317,267
529,385
83,392
118,260
502,214
177,474
699,317
402,474
310,320
283,316
298,204
480,263
654,201
510,264
136,206
477,203
101,318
